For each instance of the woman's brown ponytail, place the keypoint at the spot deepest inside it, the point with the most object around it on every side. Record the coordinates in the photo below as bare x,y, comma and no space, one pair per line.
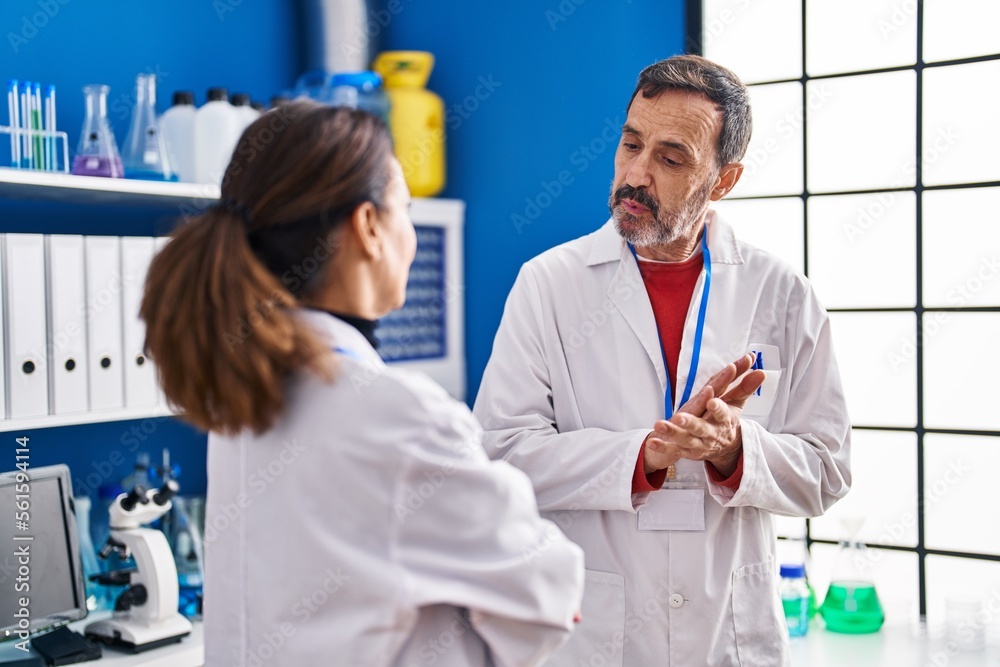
219,297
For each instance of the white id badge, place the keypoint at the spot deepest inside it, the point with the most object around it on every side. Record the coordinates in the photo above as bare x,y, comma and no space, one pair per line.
768,360
673,509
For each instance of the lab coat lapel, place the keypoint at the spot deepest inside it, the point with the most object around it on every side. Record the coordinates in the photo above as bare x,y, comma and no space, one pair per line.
628,293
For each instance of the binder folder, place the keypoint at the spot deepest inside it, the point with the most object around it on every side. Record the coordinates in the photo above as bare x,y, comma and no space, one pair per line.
140,374
104,322
67,335
27,377
3,338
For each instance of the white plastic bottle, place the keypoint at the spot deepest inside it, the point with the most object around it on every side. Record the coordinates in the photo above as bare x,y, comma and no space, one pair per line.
217,128
241,101
177,129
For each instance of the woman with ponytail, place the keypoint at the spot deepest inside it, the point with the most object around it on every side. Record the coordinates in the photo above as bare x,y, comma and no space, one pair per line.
352,516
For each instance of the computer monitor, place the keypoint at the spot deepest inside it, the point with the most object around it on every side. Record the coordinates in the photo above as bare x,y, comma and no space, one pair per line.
40,562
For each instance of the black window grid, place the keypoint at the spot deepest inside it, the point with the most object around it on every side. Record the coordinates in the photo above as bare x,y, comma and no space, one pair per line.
694,23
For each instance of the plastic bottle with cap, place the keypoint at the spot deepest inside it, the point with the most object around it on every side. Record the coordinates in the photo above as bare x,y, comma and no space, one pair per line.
370,96
416,119
247,114
795,599
217,129
177,129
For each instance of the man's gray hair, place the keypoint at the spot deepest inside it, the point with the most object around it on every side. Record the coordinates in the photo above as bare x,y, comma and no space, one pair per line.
697,74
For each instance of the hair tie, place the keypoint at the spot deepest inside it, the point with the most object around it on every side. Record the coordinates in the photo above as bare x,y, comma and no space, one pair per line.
230,205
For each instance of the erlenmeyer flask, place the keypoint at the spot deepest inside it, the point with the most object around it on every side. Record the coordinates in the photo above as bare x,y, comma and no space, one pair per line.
852,605
145,153
97,154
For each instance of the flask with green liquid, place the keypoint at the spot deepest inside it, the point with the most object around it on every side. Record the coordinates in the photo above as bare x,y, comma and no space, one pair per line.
851,605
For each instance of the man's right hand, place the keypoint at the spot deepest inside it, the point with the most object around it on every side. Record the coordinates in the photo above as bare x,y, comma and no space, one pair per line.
658,453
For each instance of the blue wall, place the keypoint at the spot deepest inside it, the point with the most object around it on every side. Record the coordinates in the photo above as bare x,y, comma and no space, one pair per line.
536,91
560,74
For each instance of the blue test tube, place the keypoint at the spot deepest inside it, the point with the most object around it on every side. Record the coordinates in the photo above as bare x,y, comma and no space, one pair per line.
27,159
13,104
50,125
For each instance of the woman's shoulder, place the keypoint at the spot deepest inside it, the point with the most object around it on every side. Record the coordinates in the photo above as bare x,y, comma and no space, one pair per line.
403,396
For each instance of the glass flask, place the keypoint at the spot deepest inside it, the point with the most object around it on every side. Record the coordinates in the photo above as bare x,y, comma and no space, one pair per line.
97,154
851,605
145,152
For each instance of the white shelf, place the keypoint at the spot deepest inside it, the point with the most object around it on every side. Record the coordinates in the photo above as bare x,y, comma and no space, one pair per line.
41,185
73,419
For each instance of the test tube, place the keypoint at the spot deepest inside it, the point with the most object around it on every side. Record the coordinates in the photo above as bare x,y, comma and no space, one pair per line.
15,123
27,160
50,125
36,124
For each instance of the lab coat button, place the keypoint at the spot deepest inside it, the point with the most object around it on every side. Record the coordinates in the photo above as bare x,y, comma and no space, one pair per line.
676,600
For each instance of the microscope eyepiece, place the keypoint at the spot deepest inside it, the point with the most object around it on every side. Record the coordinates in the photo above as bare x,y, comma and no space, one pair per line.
134,497
166,492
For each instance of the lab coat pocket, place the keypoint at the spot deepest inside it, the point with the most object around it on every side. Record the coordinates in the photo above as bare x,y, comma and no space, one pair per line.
600,634
761,639
760,404
767,359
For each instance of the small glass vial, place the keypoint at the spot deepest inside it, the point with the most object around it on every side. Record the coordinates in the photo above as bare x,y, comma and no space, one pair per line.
795,599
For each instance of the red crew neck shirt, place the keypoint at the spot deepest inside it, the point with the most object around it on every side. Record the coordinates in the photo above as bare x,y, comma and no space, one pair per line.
670,286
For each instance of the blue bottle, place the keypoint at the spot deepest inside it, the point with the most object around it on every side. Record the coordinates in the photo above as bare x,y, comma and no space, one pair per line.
795,599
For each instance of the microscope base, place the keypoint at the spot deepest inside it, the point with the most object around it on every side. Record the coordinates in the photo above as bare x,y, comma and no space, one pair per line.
137,636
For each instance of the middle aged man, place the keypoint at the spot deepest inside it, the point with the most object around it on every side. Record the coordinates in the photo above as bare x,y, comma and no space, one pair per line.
612,385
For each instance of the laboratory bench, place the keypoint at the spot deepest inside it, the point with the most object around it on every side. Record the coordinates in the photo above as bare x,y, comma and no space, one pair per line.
892,646
189,652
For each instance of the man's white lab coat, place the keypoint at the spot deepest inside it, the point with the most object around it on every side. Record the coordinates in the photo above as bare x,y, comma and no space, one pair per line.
368,527
574,385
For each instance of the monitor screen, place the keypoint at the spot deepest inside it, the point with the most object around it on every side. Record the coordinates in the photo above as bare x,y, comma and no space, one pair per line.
39,558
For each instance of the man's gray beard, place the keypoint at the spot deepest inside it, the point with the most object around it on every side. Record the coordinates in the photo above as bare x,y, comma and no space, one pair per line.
666,227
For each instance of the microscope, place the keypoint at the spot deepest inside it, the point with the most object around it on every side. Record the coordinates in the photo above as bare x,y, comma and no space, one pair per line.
145,614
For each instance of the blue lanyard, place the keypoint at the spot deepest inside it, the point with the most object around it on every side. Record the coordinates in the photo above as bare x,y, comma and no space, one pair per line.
668,408
348,353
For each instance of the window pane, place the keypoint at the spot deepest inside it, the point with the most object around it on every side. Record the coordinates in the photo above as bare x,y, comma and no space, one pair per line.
960,29
960,137
885,505
959,479
774,225
960,371
790,526
791,552
862,132
775,157
759,40
862,249
877,357
948,576
961,247
893,572
879,32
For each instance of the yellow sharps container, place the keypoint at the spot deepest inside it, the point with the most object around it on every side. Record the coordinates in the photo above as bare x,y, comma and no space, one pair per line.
416,119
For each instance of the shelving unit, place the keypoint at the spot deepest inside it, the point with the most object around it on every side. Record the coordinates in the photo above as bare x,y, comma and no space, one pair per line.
99,194
77,418
47,186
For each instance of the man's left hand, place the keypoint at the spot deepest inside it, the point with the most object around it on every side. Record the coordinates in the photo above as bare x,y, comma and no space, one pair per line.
713,433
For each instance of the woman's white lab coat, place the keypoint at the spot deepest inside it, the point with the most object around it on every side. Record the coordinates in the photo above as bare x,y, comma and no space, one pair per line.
368,527
574,385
